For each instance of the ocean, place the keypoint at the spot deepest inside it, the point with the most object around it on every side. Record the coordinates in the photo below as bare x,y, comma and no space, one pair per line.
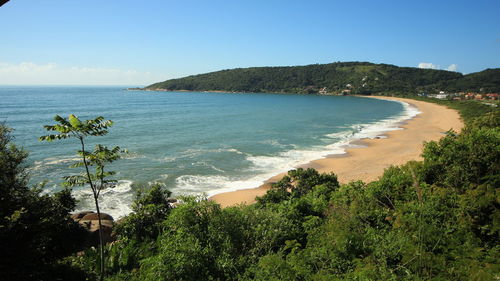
193,142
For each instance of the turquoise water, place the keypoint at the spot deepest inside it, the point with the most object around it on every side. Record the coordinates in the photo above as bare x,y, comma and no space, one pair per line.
193,142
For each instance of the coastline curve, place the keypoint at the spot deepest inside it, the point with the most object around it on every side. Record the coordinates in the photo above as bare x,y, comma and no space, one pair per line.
401,140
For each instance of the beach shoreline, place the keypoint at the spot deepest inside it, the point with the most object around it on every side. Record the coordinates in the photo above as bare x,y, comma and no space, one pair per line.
370,157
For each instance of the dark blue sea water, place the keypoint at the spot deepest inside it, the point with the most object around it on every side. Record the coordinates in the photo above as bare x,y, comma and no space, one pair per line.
193,142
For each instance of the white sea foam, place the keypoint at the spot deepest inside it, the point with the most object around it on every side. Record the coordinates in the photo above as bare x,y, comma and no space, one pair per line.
273,142
50,161
341,134
192,184
205,164
273,165
233,150
115,201
193,153
133,155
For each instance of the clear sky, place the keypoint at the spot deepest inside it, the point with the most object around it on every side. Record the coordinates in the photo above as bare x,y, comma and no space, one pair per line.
124,42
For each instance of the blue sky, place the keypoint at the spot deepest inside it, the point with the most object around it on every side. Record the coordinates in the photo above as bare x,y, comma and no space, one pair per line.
140,42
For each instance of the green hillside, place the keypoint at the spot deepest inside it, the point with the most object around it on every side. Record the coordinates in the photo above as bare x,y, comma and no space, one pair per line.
486,81
363,78
356,77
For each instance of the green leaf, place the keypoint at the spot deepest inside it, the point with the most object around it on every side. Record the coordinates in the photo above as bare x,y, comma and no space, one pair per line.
74,121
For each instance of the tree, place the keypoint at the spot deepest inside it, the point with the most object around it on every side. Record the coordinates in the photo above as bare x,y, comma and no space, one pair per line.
99,157
35,229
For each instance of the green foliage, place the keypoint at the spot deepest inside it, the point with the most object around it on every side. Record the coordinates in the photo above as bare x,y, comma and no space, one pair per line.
150,208
201,241
13,176
195,244
298,183
469,110
465,160
490,120
35,228
74,127
98,158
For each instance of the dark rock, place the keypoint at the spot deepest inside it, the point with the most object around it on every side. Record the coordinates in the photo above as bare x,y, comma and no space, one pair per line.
80,215
93,238
90,221
93,216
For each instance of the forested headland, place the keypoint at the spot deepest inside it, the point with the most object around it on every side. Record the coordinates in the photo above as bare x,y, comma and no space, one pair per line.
336,78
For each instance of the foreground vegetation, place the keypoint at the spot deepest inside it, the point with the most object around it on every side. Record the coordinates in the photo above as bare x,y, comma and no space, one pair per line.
437,219
353,77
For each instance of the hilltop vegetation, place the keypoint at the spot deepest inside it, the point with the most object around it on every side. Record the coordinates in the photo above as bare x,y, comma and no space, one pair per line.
354,77
486,81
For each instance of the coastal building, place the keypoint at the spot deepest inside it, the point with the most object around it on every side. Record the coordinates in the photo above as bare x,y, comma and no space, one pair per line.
474,96
493,96
441,96
469,96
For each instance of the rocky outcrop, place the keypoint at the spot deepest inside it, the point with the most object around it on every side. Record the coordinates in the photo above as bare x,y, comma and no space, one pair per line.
90,221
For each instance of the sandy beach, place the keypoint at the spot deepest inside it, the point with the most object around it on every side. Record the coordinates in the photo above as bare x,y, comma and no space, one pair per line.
367,163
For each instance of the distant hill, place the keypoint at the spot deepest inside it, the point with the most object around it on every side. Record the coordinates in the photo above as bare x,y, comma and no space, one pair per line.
486,81
353,77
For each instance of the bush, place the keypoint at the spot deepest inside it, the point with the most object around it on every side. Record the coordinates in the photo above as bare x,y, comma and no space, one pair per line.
296,184
465,160
150,208
35,230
